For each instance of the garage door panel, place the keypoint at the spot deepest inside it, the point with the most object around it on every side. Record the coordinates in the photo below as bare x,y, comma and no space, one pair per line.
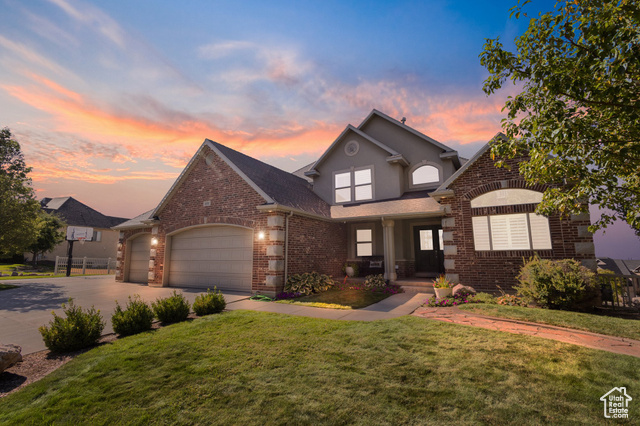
139,259
220,256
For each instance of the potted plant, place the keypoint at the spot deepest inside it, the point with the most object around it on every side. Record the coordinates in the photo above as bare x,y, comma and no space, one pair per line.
351,269
442,286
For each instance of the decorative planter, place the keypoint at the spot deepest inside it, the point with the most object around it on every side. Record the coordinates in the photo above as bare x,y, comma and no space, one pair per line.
443,292
350,272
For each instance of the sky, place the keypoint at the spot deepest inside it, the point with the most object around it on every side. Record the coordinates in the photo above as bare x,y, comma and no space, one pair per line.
109,100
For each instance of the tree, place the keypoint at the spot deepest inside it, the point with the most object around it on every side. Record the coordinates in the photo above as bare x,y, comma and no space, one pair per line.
577,115
49,233
18,206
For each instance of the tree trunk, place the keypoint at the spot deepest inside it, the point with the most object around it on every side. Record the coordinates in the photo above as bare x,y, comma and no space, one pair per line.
35,258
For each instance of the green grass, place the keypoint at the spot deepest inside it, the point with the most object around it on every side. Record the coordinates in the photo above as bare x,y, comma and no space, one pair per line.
594,323
255,368
7,286
339,299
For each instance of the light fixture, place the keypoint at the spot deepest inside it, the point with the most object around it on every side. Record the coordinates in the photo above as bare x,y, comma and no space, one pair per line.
154,241
261,235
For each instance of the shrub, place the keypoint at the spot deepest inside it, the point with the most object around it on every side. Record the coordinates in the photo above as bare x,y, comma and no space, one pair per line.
171,309
556,284
209,303
458,299
307,283
375,281
77,331
136,318
484,298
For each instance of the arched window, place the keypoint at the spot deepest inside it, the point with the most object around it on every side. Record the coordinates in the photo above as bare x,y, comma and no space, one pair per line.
425,174
520,231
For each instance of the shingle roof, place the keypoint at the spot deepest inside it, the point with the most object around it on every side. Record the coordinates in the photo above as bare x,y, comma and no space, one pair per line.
136,222
76,213
410,204
284,188
619,266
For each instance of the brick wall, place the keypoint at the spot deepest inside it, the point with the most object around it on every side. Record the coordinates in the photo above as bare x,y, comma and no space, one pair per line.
317,246
313,244
488,270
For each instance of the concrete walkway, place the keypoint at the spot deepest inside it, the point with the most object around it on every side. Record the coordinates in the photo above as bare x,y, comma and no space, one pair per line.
618,345
391,307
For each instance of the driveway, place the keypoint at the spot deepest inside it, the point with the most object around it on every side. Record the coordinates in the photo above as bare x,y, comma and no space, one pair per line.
24,309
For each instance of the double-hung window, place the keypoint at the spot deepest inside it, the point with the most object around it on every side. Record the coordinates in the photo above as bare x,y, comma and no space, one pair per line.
353,185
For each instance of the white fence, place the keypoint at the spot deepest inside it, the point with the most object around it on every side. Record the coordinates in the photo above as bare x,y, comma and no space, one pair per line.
86,265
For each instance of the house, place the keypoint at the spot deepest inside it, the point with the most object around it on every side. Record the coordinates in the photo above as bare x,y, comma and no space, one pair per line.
75,213
619,266
383,194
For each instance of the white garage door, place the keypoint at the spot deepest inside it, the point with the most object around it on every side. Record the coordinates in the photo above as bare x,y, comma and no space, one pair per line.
205,257
139,260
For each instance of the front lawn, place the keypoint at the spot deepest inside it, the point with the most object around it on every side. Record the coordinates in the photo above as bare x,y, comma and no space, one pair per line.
244,367
340,298
620,327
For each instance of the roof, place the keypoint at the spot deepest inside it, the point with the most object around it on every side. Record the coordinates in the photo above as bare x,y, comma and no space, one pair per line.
411,204
446,185
282,187
619,266
76,213
300,172
136,222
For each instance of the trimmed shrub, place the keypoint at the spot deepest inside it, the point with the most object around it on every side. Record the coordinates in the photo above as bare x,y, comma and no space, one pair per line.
556,284
171,309
135,318
77,331
208,303
307,283
375,281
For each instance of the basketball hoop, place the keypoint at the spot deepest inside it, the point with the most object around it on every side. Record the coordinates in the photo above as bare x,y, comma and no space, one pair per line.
81,240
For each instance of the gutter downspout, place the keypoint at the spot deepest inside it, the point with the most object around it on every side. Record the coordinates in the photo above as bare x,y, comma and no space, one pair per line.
286,246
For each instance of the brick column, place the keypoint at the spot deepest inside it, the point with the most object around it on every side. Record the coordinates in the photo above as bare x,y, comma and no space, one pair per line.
275,236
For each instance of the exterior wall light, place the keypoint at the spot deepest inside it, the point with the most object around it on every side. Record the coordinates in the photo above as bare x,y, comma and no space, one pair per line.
261,235
154,241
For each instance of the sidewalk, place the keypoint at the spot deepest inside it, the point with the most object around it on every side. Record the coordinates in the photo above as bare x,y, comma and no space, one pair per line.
392,307
618,345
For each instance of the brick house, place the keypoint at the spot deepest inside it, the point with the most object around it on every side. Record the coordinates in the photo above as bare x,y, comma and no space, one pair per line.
383,195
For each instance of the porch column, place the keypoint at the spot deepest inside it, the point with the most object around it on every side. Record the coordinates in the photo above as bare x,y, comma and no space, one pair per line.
389,251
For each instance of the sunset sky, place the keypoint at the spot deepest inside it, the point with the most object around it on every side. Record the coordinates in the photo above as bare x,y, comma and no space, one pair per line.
109,100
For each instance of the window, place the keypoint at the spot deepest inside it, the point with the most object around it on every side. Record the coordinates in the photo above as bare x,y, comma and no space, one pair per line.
507,197
97,235
522,231
425,174
364,242
353,185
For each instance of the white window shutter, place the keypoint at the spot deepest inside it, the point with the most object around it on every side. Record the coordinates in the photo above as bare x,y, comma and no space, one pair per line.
518,232
540,233
481,233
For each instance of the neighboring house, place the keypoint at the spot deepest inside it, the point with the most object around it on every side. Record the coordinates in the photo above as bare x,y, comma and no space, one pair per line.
619,266
383,195
75,213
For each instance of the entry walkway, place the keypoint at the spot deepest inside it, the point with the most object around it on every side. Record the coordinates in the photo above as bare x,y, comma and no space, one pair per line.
618,345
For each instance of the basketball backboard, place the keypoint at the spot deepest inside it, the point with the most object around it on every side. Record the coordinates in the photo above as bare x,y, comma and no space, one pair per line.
79,233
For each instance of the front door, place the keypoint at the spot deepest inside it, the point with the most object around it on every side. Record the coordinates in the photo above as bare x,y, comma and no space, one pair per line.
427,243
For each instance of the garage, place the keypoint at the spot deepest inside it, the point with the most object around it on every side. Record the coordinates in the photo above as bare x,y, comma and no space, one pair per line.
139,260
205,257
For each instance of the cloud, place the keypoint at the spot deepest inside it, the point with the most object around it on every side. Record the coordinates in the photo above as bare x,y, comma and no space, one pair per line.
93,17
31,56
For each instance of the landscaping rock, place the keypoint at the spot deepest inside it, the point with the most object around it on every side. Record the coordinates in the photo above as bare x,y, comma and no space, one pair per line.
9,356
14,274
466,288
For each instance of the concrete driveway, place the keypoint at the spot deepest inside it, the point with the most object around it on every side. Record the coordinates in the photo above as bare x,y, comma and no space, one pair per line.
24,309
